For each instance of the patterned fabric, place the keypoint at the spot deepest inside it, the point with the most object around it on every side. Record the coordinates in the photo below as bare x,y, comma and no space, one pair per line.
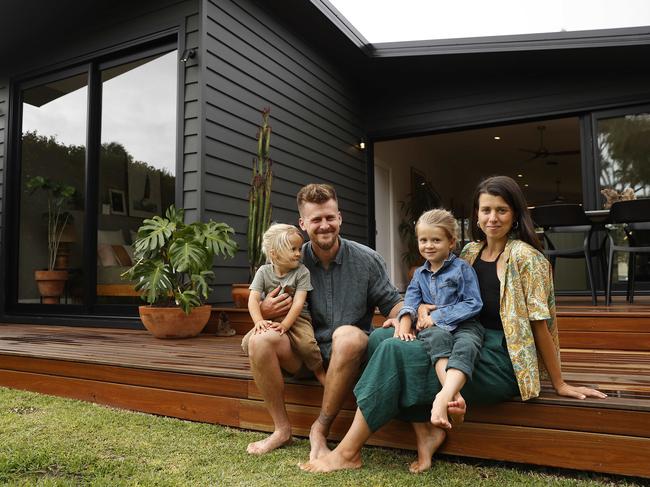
526,295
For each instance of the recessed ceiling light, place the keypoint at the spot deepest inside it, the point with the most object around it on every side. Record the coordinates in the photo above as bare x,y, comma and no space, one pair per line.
496,137
520,175
526,185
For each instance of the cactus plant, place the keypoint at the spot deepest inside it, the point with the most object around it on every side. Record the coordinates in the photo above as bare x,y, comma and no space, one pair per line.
259,196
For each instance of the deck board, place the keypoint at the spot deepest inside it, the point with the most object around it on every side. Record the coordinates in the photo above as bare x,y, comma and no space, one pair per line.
208,379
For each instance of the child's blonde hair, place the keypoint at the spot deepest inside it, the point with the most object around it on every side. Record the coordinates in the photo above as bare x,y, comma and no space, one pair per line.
440,218
276,239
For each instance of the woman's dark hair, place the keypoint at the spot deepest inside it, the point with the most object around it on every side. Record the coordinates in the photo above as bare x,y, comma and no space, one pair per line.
510,191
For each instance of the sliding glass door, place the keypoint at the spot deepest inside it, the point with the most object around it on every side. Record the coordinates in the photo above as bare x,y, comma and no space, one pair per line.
95,155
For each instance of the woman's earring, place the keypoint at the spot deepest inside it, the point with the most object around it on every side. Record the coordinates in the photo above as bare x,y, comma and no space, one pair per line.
515,227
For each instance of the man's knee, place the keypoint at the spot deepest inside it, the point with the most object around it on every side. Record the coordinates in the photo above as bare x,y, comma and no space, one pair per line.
349,340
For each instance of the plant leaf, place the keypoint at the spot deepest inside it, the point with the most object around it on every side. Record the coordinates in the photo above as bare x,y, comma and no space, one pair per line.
187,300
217,238
153,278
153,234
187,256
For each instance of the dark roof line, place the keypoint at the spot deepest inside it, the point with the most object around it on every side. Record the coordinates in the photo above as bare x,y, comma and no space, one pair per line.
628,36
339,20
525,42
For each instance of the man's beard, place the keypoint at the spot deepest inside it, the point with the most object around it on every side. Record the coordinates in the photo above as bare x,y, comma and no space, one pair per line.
325,245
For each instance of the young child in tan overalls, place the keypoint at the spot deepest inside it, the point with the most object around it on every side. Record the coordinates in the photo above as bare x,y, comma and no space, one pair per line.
282,245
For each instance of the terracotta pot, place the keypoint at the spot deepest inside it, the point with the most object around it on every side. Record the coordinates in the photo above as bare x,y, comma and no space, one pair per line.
171,322
51,285
240,293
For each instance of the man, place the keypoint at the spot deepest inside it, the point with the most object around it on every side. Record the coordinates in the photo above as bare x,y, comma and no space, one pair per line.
349,280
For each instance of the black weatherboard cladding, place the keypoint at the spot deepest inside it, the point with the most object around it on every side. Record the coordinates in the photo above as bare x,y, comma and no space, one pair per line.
250,61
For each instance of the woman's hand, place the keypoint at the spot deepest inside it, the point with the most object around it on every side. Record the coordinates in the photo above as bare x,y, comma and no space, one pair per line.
390,322
261,326
578,392
404,333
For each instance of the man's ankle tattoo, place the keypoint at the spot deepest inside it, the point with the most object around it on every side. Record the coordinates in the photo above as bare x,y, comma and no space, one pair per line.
326,419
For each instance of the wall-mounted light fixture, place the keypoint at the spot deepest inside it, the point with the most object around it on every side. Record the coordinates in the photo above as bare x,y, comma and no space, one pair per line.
188,54
362,144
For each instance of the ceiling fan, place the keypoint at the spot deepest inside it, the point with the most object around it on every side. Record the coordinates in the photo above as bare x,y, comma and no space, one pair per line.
542,152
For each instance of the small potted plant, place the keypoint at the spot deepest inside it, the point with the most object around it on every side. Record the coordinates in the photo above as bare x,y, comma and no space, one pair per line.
173,266
51,282
259,207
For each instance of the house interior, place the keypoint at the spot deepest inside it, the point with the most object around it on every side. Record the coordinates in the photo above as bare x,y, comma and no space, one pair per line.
543,156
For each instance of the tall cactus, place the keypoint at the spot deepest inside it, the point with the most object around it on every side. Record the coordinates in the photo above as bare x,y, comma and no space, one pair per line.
259,196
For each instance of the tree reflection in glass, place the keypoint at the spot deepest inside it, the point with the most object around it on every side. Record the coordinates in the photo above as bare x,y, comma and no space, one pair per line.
624,153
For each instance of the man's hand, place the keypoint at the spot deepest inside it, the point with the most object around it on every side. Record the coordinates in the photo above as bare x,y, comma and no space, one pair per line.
424,317
275,304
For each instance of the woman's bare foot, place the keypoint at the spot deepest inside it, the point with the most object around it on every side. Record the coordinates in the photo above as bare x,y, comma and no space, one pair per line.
456,409
318,441
276,440
439,412
331,462
428,439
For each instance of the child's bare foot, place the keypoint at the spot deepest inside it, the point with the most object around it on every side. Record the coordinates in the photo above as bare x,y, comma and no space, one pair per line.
428,439
331,462
439,413
457,409
276,440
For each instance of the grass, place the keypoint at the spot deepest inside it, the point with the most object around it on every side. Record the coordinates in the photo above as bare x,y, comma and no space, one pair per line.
51,441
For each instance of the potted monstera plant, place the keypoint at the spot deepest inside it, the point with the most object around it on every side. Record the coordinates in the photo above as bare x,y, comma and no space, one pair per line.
51,281
172,270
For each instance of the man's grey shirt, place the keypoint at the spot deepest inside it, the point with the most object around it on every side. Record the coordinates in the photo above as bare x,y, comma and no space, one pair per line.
348,292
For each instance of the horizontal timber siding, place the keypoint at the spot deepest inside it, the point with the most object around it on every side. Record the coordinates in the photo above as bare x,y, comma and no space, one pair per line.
252,61
190,198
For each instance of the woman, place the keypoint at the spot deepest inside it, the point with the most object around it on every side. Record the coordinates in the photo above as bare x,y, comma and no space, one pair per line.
519,316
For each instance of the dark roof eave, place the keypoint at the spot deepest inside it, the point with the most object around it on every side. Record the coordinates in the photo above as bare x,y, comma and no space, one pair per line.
528,42
339,20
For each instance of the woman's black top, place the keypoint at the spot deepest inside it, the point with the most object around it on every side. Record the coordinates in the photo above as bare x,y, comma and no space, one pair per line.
490,286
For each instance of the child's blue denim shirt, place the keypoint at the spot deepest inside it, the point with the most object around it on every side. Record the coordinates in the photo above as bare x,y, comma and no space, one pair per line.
453,289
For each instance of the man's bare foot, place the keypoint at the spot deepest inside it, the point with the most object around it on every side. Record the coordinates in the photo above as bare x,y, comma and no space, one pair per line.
318,441
428,439
276,440
457,409
331,462
439,413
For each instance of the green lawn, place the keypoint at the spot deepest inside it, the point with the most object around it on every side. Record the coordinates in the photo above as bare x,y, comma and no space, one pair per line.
46,440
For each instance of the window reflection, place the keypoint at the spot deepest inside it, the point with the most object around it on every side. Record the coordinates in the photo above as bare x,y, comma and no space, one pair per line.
137,163
53,156
624,156
624,152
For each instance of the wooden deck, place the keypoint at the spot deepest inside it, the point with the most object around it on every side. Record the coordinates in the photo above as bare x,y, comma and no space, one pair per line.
208,379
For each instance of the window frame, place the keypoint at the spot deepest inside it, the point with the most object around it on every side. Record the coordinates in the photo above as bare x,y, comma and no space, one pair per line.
93,68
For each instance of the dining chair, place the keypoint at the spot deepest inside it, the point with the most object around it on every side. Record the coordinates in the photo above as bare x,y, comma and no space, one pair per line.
562,219
634,215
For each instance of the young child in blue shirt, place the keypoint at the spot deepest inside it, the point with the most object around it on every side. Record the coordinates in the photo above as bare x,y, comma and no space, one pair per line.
451,334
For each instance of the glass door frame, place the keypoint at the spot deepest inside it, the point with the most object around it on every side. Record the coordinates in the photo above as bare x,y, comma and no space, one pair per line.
594,117
13,170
